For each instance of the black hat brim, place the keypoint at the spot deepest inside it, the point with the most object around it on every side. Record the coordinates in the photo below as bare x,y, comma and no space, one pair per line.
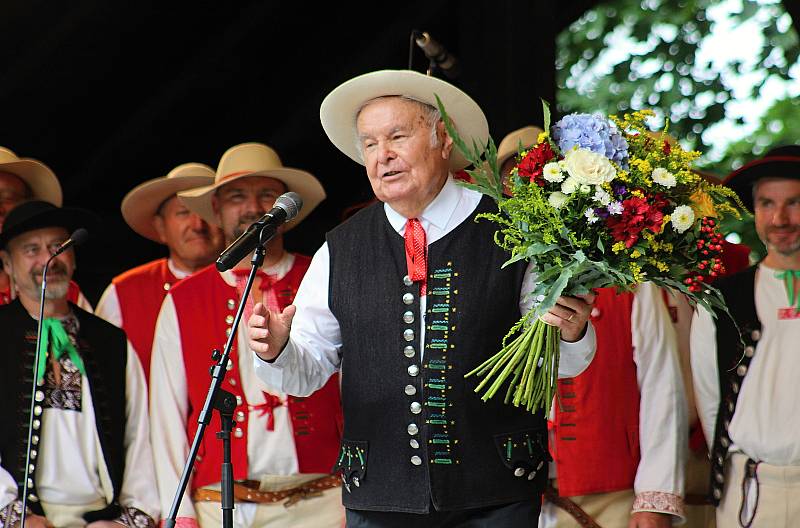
743,179
68,218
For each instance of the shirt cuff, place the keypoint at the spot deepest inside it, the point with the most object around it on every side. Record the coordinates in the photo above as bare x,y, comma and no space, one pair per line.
271,372
575,357
660,502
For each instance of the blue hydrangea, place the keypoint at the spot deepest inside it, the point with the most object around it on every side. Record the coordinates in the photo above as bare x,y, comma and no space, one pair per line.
592,132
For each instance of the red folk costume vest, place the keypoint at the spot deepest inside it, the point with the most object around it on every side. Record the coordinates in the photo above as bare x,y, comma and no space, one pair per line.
206,306
141,291
600,407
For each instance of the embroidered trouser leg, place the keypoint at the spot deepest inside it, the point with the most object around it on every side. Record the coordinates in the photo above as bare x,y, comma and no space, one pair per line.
770,499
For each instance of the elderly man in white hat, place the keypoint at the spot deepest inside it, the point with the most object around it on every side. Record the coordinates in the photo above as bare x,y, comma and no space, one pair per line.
406,297
152,209
23,179
283,448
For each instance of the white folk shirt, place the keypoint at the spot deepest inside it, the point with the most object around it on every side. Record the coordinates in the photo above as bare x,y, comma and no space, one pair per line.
268,452
663,422
72,470
766,423
109,308
312,353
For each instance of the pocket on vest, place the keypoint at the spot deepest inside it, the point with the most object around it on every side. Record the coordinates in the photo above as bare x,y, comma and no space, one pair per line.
524,452
352,462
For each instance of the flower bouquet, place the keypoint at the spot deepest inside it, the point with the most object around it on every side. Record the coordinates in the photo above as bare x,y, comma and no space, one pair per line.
598,202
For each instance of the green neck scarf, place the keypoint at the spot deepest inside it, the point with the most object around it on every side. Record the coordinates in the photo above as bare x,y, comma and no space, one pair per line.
788,277
54,335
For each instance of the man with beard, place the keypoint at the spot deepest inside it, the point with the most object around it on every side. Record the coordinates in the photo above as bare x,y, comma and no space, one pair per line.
746,367
152,209
90,460
283,448
23,179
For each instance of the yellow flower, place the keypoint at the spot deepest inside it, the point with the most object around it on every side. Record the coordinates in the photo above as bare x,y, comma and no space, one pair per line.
638,193
702,204
636,271
635,254
618,246
542,137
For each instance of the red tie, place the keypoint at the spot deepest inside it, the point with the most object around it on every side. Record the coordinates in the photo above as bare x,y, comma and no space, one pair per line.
416,250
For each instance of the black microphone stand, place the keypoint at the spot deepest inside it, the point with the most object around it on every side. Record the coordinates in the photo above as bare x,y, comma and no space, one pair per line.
37,353
225,403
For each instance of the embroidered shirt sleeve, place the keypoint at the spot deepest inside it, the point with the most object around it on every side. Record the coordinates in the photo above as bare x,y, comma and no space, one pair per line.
11,514
658,502
135,518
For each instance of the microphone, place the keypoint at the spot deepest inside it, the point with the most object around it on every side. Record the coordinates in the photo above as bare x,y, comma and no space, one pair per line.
260,232
77,238
437,54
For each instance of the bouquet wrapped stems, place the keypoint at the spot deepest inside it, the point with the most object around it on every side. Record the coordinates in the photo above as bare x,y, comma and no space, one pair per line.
532,358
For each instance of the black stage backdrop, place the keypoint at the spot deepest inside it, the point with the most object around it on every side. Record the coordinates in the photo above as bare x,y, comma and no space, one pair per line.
111,93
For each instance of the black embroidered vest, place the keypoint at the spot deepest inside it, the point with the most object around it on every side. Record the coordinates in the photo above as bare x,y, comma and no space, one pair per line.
103,348
734,355
415,433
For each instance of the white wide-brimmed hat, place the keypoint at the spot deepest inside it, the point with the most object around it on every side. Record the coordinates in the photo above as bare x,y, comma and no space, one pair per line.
255,159
142,203
40,178
526,136
340,108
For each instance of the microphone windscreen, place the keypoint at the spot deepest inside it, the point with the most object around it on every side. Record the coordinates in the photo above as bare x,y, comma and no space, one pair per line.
79,236
291,203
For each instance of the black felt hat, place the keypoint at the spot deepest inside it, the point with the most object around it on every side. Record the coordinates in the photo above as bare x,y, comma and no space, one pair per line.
780,162
37,214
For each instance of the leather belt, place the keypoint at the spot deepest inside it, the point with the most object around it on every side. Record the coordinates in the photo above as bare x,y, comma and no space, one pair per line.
569,506
247,491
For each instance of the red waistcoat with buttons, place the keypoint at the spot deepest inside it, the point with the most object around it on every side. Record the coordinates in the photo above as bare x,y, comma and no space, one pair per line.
596,430
206,305
141,291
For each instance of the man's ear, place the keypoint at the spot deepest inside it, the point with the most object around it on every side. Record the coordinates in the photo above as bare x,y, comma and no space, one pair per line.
161,229
5,258
446,140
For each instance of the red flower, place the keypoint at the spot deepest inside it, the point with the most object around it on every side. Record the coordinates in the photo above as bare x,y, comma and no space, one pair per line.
637,215
667,148
532,165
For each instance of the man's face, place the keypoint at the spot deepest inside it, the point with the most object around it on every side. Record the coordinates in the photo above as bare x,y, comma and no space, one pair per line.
25,256
395,140
192,243
243,201
13,191
777,215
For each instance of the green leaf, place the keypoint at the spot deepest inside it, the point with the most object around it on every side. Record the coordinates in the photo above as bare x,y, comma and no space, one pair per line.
546,115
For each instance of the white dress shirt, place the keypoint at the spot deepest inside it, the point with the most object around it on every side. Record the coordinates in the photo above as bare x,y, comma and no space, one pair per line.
312,354
766,423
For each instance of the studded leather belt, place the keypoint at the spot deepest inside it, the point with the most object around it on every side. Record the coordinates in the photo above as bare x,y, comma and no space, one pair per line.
247,491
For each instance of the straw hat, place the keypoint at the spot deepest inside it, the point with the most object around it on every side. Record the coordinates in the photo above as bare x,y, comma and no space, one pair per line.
526,136
39,177
142,203
340,108
255,159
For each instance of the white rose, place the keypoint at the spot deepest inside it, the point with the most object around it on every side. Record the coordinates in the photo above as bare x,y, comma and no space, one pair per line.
569,186
589,167
552,172
663,177
557,199
682,218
